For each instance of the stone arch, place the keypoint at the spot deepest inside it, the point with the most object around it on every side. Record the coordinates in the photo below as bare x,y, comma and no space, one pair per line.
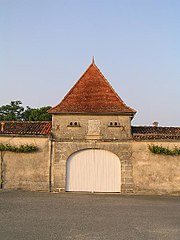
77,149
121,150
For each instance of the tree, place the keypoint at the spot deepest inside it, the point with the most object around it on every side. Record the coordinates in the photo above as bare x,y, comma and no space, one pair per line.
37,114
12,112
15,112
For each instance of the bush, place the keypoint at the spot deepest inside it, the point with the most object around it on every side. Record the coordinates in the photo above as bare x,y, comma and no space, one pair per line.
20,149
164,150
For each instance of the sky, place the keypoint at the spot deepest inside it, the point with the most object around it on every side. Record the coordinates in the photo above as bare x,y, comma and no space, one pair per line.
46,45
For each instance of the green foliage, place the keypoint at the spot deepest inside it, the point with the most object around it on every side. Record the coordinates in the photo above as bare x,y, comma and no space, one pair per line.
164,150
16,112
37,114
12,112
20,149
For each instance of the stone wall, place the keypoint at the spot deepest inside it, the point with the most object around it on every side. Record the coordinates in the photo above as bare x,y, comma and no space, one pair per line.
26,171
154,173
86,124
142,172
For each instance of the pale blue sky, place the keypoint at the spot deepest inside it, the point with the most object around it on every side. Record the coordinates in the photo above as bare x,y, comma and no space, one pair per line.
46,45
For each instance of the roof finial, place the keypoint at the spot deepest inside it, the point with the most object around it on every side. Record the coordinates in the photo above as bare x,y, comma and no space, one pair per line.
93,60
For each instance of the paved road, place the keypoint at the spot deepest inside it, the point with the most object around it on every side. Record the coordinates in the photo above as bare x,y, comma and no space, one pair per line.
50,216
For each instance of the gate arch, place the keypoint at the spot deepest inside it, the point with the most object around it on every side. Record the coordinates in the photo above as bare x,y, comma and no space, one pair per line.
93,170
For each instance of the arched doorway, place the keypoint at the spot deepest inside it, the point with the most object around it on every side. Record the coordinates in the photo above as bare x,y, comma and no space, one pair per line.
93,170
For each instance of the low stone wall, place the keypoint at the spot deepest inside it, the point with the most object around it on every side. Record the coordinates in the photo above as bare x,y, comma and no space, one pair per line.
25,171
142,171
155,173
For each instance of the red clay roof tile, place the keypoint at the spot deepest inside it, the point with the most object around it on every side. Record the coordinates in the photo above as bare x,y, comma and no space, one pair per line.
92,93
44,128
153,133
25,128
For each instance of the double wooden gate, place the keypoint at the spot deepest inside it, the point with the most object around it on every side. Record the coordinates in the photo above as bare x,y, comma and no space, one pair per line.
93,170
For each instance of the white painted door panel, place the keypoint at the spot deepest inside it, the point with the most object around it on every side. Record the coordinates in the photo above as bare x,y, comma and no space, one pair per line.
93,170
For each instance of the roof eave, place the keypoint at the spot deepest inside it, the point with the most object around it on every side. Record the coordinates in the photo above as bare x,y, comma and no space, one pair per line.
95,113
25,135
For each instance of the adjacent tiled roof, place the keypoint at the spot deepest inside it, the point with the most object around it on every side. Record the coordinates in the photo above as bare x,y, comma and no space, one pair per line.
92,93
25,128
153,133
44,128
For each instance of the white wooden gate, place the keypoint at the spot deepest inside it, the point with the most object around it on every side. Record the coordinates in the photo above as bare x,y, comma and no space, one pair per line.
93,170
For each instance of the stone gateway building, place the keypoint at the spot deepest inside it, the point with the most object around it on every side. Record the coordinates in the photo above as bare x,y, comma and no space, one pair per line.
90,146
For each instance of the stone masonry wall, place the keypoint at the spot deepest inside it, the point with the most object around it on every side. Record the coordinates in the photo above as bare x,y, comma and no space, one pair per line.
73,132
154,173
63,150
62,130
26,171
142,172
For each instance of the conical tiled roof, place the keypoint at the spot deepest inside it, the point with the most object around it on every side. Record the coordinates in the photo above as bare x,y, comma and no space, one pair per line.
92,93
